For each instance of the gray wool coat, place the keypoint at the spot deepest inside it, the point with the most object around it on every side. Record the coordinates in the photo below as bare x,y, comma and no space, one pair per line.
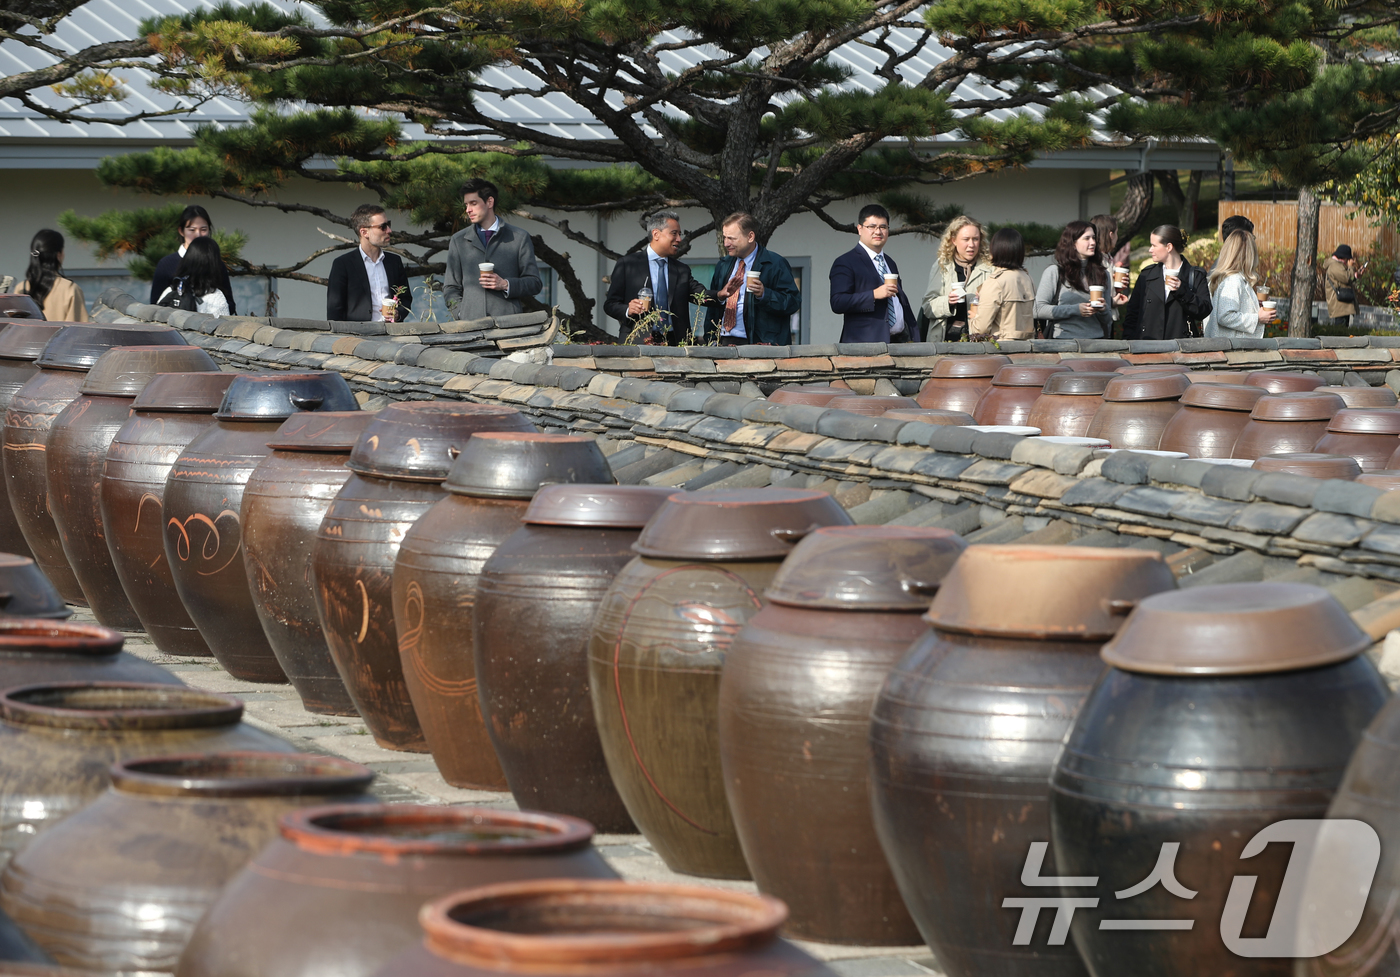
513,254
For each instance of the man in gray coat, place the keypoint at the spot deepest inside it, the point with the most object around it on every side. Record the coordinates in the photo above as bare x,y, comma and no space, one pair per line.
473,293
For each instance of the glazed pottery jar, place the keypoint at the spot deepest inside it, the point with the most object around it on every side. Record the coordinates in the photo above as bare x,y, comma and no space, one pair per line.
1283,383
1311,464
1228,709
1132,371
283,504
62,367
1369,434
1013,393
658,644
1068,402
397,468
15,306
1285,423
434,584
338,894
929,415
202,522
154,849
535,603
77,453
1104,364
173,410
958,382
568,928
26,592
20,345
872,406
1211,418
1137,408
34,651
815,395
794,723
1385,481
1354,396
969,724
59,738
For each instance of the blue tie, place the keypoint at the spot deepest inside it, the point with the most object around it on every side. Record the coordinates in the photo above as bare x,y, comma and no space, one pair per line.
662,293
891,304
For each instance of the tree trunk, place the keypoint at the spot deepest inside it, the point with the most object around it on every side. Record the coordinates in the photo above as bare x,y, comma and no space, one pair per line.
581,319
1171,188
1137,204
1186,213
1304,265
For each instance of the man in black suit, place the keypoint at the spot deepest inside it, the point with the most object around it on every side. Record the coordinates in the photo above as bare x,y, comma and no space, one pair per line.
875,312
669,279
362,280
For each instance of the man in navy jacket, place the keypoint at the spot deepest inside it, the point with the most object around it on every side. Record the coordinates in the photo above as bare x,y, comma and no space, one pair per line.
874,311
744,314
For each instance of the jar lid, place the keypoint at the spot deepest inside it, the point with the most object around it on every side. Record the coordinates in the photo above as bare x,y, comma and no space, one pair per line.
1366,420
193,393
737,524
600,506
1146,386
1079,384
813,396
514,464
277,396
866,568
1104,364
1354,396
1222,396
1283,383
78,347
418,441
26,340
16,306
1302,406
969,366
1311,464
1132,371
929,415
330,431
1236,629
1064,593
1385,481
1018,375
871,406
124,371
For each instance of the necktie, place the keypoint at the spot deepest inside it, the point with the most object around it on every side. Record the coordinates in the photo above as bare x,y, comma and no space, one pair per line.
486,237
891,304
662,296
731,304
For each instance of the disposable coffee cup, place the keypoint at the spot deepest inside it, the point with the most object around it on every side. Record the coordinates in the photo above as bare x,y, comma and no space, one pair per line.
751,279
1096,296
389,309
485,266
644,297
891,279
1272,308
1120,277
1173,279
956,294
1262,292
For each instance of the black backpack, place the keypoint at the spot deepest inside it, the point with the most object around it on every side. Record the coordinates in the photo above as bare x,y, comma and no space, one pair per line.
179,296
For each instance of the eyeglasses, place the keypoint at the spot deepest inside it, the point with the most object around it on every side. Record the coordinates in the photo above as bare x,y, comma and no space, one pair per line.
877,228
386,225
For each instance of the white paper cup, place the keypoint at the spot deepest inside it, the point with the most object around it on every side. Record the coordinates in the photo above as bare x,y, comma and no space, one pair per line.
891,279
485,266
1096,296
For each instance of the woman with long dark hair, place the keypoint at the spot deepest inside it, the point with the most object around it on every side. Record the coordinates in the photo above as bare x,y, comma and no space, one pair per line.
194,223
1171,298
1007,296
59,297
1063,296
197,276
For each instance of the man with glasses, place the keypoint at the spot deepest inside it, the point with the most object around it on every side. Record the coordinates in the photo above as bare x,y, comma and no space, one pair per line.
865,287
362,280
490,264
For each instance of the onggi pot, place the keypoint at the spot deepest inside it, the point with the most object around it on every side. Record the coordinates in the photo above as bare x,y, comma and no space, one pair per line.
1354,396
794,723
26,592
871,406
1137,408
1103,364
1286,423
1013,393
929,415
958,382
1311,464
1211,418
20,345
1369,434
33,650
1283,383
815,395
1068,402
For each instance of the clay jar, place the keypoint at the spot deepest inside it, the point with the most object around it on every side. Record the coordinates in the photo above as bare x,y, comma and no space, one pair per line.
1132,371
958,382
1013,393
929,415
1068,402
794,731
1137,408
397,470
871,406
434,583
1386,481
26,592
283,504
1211,418
968,724
203,496
153,851
1354,396
31,412
658,644
1286,423
1283,383
1105,364
1311,464
812,396
15,306
1369,434
173,410
338,894
1228,709
77,453
59,738
34,651
564,927
20,346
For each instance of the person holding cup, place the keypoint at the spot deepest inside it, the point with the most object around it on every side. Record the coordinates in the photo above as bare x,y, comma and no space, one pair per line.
755,290
865,289
1236,310
1171,299
1063,298
962,265
368,282
1007,299
491,265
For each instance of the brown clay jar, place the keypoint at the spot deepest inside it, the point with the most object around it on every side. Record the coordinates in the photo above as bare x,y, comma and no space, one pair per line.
1013,393
794,723
871,406
958,382
1286,423
1105,364
1386,481
26,592
34,651
155,848
338,893
1381,396
201,511
1211,418
1137,408
20,345
1311,464
15,306
283,504
1068,402
62,366
929,415
173,410
535,603
77,454
1369,434
397,468
1283,383
807,396
434,583
658,644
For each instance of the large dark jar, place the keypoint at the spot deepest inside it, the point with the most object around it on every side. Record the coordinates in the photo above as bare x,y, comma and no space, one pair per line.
1369,434
1068,402
33,650
1013,393
1286,424
20,345
26,592
1210,420
1137,409
958,382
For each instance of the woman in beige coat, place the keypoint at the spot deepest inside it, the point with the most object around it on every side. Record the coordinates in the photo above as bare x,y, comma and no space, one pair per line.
1006,303
59,297
958,272
1340,272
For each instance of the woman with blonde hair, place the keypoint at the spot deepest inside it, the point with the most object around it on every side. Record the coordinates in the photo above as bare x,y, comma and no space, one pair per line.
1235,311
963,263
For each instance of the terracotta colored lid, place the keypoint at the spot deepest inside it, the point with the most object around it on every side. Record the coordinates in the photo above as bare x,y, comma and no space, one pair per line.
929,415
393,831
1096,365
16,306
737,524
124,371
1283,383
418,441
194,393
1385,481
1236,629
24,340
1202,376
871,568
601,506
969,366
515,464
1146,386
1366,420
1047,592
1018,375
78,347
1354,396
277,396
1311,464
1079,384
871,406
1297,407
1129,371
330,431
806,396
1222,396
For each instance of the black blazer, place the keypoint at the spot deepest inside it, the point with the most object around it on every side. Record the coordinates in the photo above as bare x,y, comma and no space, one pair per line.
853,283
165,274
1153,313
347,294
631,272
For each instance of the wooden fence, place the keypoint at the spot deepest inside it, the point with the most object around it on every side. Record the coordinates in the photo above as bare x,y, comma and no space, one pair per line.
1276,226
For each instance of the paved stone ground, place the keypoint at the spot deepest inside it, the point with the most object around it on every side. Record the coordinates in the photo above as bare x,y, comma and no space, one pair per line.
413,778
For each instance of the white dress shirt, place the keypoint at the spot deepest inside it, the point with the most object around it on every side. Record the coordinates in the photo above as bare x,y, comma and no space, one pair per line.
495,229
898,326
743,295
378,285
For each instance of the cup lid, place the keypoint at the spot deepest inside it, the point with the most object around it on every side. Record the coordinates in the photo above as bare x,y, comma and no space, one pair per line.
515,464
1018,375
193,393
871,568
1129,371
330,431
26,340
124,371
1236,629
871,406
1064,593
814,396
419,440
1222,396
79,347
1104,364
1146,386
969,366
1079,384
1311,464
600,506
929,415
16,306
1366,420
1354,396
277,396
1300,406
1283,383
737,524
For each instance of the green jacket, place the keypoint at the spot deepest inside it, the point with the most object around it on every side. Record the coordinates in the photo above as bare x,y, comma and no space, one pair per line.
766,320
